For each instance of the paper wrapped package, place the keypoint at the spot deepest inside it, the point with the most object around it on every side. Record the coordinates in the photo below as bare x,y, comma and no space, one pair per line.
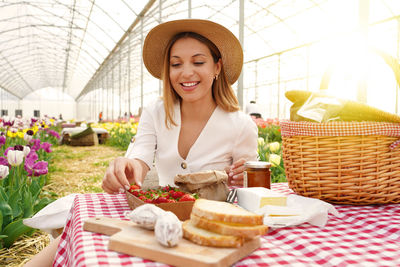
207,184
285,211
298,210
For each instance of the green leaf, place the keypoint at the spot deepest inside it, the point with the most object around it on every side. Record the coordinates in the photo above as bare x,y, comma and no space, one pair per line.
13,231
3,194
35,189
30,232
27,204
6,211
15,203
1,221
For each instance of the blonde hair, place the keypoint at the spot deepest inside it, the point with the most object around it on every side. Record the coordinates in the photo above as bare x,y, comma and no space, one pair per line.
222,91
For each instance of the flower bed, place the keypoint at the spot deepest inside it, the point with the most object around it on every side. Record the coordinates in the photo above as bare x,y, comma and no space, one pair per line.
270,147
25,150
121,133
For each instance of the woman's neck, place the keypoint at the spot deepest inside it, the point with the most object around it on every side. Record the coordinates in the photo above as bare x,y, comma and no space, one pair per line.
197,110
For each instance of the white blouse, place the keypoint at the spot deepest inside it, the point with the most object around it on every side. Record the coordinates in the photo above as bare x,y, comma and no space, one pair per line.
227,137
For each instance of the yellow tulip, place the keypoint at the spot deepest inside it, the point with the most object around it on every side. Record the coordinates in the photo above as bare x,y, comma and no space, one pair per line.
274,146
20,135
261,141
275,160
11,134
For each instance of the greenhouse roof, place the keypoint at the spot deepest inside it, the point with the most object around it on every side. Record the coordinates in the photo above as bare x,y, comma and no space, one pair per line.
63,44
60,43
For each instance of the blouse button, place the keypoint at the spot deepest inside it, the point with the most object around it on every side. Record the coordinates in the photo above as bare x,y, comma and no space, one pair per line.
183,165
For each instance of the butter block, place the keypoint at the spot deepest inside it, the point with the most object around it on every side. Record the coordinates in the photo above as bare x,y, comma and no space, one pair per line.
253,198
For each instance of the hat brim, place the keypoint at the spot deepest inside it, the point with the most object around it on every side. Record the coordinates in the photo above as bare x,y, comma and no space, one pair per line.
229,46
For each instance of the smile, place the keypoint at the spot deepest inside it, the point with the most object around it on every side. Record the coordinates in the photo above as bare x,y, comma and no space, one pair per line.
189,85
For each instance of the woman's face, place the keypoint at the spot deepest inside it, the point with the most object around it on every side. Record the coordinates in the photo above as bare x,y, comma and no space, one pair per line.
192,70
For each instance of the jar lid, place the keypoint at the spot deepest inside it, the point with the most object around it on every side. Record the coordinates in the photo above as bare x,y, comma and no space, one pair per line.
257,164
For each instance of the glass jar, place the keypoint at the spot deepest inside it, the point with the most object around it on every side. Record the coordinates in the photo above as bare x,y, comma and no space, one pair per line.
257,174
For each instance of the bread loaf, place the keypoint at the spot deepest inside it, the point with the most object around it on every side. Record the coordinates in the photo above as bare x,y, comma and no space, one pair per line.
225,212
229,228
206,238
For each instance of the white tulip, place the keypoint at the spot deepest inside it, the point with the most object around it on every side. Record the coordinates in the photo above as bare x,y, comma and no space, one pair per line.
15,157
3,171
27,137
26,151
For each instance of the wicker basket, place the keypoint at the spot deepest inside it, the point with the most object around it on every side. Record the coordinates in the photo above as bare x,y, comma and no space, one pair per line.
354,163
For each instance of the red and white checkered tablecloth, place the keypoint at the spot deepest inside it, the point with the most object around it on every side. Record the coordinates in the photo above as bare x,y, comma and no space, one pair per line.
362,236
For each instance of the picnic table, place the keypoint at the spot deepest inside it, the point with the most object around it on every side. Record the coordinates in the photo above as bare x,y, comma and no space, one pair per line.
361,236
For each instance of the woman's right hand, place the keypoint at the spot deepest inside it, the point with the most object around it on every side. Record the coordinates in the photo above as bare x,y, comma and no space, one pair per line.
121,173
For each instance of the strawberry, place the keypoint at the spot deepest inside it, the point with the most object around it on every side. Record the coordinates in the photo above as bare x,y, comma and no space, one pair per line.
170,200
177,194
135,193
167,188
162,200
187,197
134,187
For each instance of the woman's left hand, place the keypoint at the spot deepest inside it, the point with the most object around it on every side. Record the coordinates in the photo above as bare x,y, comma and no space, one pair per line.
235,172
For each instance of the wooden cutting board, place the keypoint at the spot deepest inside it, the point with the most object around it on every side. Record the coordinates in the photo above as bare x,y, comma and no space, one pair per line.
127,237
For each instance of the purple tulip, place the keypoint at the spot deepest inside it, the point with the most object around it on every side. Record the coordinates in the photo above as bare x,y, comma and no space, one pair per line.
35,168
3,161
8,123
46,147
32,156
35,144
54,133
2,140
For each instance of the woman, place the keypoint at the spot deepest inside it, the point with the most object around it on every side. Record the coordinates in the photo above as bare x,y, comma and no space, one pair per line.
197,125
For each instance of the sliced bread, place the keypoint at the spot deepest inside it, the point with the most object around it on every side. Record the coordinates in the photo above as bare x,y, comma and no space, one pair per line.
206,238
229,228
225,212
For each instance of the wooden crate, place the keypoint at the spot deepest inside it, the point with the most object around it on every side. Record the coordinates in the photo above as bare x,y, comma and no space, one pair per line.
87,140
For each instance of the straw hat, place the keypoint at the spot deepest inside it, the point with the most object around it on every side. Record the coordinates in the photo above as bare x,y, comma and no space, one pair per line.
157,39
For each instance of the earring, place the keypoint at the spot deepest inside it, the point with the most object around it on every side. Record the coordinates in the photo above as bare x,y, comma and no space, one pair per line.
216,77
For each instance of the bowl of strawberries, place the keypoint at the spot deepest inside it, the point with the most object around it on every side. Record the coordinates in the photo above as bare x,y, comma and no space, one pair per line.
168,198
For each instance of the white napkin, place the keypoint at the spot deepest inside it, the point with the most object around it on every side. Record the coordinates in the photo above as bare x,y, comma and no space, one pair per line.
299,210
53,216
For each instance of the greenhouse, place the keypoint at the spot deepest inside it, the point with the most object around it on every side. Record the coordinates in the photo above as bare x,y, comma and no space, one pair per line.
286,110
